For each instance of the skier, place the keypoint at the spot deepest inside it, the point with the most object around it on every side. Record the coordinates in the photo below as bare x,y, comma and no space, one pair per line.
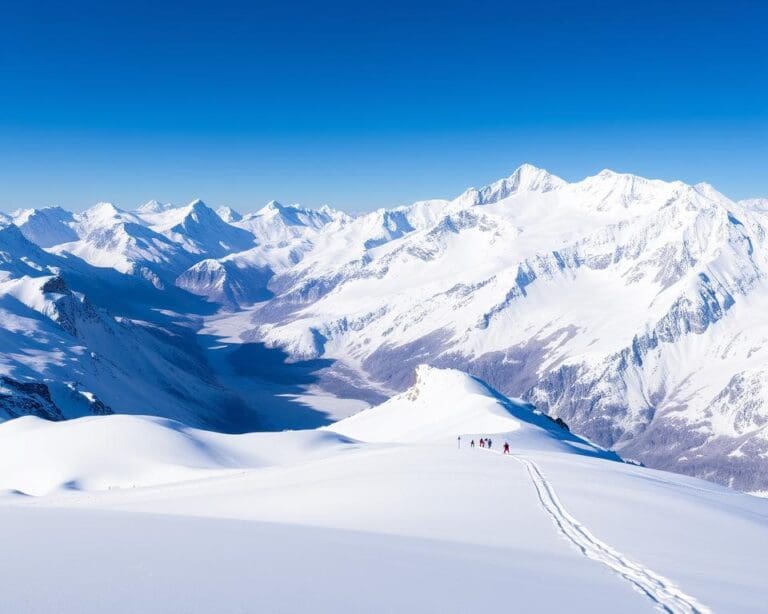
506,448
459,442
472,444
489,443
482,443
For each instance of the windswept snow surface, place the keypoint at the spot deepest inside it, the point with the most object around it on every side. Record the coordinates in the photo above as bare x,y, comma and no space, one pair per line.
38,457
286,522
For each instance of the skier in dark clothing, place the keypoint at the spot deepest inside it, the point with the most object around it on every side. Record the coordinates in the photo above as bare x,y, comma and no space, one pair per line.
482,443
489,443
472,444
506,448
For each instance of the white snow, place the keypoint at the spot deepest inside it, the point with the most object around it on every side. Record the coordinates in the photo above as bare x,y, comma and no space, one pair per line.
310,520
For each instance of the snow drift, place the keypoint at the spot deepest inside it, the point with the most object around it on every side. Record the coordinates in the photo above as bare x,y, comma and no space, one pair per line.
97,453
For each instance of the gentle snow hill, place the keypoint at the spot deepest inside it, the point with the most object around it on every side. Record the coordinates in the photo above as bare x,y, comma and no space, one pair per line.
309,517
444,404
98,453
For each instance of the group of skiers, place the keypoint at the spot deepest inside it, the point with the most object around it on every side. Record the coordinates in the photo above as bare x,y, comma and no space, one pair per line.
486,442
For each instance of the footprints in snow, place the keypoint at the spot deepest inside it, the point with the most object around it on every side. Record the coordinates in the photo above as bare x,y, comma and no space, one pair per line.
661,591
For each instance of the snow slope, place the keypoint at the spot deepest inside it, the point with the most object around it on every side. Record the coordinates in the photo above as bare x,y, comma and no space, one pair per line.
105,452
414,524
444,403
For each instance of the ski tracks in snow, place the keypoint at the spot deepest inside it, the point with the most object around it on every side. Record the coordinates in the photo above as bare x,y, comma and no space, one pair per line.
661,591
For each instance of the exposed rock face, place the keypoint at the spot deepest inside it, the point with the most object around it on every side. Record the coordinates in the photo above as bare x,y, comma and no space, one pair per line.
27,399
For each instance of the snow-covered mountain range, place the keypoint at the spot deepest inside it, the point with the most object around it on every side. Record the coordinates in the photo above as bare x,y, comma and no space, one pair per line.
633,309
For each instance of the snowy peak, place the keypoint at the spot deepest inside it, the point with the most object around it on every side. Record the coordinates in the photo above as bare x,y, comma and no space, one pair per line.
200,230
153,206
104,211
527,178
443,404
294,215
609,190
279,224
103,215
229,215
198,210
46,227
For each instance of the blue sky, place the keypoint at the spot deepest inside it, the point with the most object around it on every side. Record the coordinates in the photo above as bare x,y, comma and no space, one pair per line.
367,104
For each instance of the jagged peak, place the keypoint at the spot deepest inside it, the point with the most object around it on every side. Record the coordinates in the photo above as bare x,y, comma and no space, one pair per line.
154,206
228,214
525,178
611,190
22,216
709,191
274,206
197,210
608,176
104,206
104,212
198,204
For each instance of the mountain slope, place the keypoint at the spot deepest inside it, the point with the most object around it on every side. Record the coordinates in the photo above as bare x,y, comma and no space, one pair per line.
443,404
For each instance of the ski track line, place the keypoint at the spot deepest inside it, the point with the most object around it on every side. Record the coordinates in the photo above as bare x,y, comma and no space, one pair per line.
661,591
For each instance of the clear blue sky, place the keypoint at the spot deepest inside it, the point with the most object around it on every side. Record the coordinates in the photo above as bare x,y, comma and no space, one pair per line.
363,104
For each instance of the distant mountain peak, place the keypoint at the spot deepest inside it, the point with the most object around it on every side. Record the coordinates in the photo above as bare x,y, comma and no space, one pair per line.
105,212
198,205
105,208
525,178
229,215
274,205
153,206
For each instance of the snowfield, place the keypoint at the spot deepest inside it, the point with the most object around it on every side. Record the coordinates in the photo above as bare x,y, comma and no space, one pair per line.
383,512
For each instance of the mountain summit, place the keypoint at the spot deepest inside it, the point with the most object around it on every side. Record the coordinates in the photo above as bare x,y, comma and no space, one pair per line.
526,178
